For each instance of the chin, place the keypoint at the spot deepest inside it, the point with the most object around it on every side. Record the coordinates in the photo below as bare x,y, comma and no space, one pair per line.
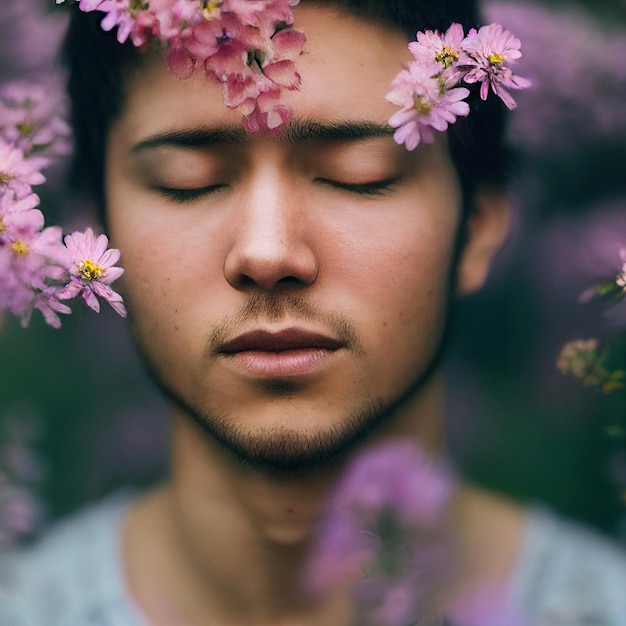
284,448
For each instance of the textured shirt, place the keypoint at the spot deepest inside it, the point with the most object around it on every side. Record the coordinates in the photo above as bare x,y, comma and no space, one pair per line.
565,575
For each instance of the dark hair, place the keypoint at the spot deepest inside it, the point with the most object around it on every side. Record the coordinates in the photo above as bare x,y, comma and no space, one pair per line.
97,64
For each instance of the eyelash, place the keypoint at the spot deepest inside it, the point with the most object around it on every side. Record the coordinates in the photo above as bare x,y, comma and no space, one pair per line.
189,195
375,188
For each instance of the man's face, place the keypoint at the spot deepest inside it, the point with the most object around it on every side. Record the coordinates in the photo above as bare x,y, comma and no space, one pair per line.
286,290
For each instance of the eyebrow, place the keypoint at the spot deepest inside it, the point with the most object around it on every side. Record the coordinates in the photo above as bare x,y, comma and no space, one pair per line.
296,131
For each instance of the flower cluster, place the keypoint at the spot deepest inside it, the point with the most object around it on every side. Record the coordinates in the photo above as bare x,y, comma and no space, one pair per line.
382,532
248,47
37,271
430,91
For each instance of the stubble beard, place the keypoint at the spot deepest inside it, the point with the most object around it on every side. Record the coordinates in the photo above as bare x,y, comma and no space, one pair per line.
283,449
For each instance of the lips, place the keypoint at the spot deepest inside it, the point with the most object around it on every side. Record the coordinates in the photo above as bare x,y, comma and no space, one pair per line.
282,341
292,353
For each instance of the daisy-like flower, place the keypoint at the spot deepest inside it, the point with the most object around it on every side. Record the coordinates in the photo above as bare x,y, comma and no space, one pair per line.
12,210
29,119
434,47
429,102
92,269
27,263
490,50
18,174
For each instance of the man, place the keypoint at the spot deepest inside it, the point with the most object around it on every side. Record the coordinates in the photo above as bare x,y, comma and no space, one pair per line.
290,292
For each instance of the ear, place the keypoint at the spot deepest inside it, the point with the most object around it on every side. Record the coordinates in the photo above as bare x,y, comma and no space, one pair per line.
487,229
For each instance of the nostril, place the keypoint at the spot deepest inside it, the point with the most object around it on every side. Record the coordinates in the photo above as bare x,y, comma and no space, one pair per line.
290,280
247,266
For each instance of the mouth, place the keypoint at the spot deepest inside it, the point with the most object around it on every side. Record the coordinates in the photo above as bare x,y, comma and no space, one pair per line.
286,353
282,341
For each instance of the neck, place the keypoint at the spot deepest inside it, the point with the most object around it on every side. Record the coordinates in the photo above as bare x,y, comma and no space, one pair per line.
232,540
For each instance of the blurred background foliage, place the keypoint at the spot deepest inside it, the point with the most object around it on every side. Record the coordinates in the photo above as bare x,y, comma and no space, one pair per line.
516,424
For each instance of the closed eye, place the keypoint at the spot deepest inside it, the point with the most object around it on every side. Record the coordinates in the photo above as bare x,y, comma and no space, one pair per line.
373,188
189,195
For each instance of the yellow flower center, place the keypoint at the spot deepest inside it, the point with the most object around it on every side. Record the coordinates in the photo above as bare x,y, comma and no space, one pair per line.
5,177
421,104
211,9
447,55
26,128
2,226
20,247
89,270
495,58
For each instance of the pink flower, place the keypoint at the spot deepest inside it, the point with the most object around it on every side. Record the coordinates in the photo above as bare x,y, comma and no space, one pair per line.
489,53
48,304
429,102
30,120
382,531
242,43
12,209
17,173
173,20
89,5
389,503
27,261
444,49
91,267
118,13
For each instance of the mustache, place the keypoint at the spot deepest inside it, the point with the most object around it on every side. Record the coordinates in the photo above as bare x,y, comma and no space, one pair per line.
274,307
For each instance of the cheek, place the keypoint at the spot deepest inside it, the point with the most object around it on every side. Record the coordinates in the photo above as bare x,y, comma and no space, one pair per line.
166,284
402,284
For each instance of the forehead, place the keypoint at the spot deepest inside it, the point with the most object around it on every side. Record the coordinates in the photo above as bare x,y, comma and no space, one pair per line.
347,67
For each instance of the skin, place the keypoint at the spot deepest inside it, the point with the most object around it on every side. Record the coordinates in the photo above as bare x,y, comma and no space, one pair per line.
282,240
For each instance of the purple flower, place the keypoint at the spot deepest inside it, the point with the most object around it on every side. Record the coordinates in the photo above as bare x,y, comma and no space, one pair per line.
13,212
489,53
91,267
118,13
444,49
18,174
382,530
30,120
430,101
243,44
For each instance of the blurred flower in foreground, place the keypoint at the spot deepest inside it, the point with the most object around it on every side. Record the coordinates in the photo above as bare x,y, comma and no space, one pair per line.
385,532
382,532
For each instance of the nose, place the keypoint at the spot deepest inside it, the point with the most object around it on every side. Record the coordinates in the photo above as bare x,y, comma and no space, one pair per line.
271,246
